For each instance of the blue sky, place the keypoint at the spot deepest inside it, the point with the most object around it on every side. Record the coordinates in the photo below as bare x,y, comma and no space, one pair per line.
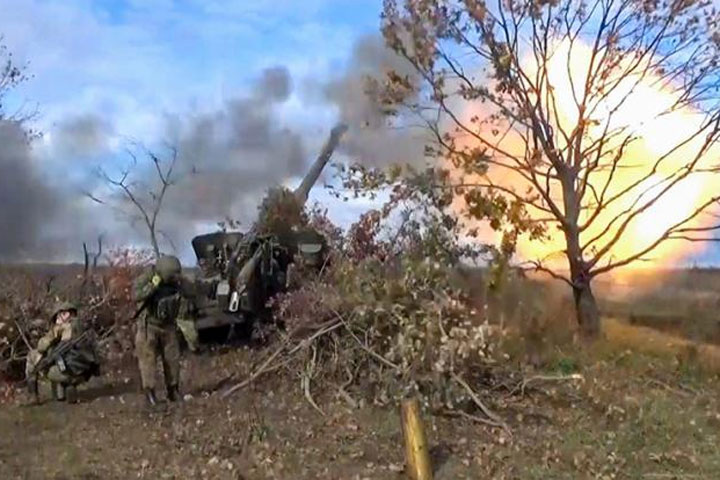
133,59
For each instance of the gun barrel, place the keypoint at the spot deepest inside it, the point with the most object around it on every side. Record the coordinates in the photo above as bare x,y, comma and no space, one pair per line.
303,190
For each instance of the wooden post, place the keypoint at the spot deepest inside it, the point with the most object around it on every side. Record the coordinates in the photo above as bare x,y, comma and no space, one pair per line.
417,456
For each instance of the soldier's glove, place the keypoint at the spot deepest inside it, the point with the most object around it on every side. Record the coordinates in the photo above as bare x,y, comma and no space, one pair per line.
156,280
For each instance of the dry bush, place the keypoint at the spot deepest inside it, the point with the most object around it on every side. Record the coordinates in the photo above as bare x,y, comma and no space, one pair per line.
25,299
28,293
393,311
114,311
319,221
403,328
385,320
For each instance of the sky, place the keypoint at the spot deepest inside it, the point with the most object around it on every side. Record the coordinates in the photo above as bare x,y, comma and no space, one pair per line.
197,74
247,90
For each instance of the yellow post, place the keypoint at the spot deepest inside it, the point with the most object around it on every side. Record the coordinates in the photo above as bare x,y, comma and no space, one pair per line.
417,456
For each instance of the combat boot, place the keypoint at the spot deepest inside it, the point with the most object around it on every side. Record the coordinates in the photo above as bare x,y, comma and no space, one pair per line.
150,398
71,394
58,391
32,387
173,393
33,394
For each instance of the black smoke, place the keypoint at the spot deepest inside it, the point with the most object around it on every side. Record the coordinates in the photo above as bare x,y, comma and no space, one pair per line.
27,202
234,154
374,138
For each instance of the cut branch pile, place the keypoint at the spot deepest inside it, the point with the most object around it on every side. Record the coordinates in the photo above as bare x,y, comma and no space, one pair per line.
374,340
102,295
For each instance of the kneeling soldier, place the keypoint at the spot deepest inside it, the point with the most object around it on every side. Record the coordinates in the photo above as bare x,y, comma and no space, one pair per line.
65,355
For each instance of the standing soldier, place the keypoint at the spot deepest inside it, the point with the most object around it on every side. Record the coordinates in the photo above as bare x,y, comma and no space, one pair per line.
67,370
160,292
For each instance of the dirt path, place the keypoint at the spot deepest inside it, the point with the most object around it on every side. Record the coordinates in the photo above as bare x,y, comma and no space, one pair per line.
268,433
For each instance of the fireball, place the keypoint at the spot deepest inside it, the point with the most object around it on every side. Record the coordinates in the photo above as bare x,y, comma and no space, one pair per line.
667,140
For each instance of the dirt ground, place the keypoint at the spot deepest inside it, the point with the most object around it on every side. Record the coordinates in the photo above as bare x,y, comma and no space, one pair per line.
632,415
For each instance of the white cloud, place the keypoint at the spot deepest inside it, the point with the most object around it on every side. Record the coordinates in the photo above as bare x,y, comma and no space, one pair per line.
157,57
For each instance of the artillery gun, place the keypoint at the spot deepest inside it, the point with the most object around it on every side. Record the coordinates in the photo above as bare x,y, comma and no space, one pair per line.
245,270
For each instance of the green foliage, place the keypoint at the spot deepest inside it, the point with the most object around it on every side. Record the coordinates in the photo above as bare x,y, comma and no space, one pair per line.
566,365
279,212
424,202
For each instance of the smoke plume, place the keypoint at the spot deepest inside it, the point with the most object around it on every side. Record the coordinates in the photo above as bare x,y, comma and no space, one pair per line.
27,202
83,136
372,139
227,159
236,153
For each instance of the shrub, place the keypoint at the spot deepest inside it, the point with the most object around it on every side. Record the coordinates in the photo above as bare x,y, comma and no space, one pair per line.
104,298
400,321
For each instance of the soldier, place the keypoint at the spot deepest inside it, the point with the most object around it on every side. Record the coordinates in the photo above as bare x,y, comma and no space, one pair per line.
164,302
74,367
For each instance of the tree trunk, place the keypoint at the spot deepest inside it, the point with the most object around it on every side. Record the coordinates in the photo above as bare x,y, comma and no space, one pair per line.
586,310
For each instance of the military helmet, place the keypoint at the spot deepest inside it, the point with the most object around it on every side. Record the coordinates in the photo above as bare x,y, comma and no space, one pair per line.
63,307
168,266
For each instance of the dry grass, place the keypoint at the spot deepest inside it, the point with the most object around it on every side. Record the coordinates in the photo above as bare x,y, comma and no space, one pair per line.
681,302
650,341
634,415
648,406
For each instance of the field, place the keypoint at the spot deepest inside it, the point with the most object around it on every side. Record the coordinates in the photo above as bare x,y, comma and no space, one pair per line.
642,403
683,302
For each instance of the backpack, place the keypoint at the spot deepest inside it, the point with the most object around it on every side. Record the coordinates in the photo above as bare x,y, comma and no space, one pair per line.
81,360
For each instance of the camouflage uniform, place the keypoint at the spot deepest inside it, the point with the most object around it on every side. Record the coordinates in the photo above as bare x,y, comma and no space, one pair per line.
164,303
186,324
62,332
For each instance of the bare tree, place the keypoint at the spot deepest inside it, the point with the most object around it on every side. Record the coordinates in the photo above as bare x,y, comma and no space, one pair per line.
547,104
87,268
135,197
12,75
